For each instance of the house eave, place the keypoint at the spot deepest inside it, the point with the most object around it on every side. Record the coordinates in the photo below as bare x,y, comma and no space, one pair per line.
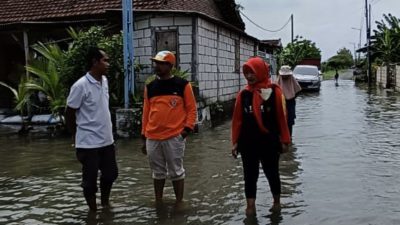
196,13
21,25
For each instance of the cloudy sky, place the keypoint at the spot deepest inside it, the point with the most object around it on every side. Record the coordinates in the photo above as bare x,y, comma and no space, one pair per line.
327,22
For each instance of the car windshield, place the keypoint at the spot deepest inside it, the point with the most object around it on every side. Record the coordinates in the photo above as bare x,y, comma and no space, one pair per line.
306,71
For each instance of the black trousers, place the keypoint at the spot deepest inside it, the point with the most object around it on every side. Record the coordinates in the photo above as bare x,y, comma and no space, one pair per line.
92,161
291,113
269,160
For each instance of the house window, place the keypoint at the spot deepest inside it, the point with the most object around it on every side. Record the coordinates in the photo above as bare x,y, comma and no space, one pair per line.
167,40
237,56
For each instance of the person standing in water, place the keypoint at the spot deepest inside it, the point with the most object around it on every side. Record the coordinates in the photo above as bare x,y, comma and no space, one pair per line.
169,115
259,131
337,78
89,120
290,88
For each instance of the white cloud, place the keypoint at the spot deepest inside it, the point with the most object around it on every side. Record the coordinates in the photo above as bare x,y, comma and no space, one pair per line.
326,22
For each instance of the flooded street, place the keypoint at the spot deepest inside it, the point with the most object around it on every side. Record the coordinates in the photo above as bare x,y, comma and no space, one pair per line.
344,169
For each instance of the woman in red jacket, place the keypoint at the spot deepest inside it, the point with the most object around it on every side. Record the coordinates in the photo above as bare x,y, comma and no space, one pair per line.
259,131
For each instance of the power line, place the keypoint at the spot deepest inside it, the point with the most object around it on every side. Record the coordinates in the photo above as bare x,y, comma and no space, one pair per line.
262,28
375,2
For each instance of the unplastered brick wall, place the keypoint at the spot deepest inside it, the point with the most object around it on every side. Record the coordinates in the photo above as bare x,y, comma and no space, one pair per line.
217,77
142,42
246,51
207,60
145,45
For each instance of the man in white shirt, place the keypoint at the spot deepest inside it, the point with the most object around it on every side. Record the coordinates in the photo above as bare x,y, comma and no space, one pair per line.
89,120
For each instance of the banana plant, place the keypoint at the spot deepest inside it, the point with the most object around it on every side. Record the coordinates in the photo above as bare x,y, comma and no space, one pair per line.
46,77
386,47
21,99
21,96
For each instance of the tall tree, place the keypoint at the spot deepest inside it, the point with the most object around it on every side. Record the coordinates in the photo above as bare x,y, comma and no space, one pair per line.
300,49
342,60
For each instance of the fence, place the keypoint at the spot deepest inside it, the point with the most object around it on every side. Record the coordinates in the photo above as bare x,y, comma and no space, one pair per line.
388,79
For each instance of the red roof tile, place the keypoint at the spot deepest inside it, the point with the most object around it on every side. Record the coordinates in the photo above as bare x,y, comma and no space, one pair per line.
33,10
14,11
207,7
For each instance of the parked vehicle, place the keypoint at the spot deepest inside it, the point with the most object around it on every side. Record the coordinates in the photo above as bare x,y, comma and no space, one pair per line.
357,71
311,62
308,77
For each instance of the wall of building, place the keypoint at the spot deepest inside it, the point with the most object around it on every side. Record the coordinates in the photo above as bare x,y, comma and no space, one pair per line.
144,42
206,50
272,61
212,54
218,76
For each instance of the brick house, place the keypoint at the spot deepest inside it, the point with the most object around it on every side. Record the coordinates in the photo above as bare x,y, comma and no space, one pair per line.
207,35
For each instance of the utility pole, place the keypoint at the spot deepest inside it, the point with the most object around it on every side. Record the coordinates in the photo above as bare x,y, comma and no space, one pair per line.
359,42
369,46
354,52
292,20
127,23
368,21
26,50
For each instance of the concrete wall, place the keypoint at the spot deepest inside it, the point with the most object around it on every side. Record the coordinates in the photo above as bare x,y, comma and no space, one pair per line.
272,61
212,54
381,77
206,50
247,50
145,44
217,76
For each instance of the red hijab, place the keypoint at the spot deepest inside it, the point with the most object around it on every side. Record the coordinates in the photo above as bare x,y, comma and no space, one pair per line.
260,68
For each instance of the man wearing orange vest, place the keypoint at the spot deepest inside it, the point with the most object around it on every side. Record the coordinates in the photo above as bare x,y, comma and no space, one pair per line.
169,114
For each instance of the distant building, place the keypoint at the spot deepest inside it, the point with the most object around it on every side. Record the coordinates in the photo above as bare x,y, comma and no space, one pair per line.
269,50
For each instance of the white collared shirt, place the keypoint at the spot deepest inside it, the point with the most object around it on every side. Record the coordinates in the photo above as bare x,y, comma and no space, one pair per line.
90,98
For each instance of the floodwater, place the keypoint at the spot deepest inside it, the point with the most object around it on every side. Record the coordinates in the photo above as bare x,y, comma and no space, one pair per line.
343,169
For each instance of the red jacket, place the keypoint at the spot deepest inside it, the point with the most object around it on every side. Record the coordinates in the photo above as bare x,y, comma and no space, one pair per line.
258,67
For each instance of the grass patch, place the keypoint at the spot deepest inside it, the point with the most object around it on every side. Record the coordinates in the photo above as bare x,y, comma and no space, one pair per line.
328,75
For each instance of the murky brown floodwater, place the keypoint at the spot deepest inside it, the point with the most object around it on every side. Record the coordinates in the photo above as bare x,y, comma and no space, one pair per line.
344,169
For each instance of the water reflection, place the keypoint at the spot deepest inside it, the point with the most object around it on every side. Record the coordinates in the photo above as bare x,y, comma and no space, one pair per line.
343,170
40,184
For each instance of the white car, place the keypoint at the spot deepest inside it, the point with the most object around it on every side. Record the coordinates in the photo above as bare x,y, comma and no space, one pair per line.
308,77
